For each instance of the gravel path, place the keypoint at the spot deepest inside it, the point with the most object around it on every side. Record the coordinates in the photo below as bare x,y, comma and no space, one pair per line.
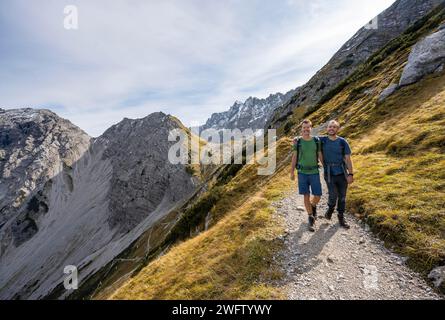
334,263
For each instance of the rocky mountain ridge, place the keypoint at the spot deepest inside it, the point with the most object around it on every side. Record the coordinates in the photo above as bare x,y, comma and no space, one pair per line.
68,199
251,114
390,24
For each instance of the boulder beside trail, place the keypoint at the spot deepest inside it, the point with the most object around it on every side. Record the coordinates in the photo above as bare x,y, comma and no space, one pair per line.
437,276
427,57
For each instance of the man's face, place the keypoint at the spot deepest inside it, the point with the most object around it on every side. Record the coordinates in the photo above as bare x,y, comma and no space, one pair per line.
306,129
333,129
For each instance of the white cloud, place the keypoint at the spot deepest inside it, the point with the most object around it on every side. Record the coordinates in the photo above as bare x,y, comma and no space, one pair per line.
188,58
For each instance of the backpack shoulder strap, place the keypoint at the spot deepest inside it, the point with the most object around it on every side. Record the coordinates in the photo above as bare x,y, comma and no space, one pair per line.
297,144
318,144
322,140
343,146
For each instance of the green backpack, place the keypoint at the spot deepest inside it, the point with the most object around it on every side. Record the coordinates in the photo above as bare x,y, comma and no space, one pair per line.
297,146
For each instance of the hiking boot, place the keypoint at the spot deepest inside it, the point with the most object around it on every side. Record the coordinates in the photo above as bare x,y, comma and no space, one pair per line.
328,214
342,221
314,211
311,224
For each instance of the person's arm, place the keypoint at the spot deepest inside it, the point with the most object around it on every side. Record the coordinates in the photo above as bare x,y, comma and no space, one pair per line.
350,167
320,152
320,158
293,166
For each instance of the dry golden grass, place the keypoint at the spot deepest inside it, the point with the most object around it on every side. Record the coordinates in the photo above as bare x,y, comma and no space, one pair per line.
231,260
400,179
403,201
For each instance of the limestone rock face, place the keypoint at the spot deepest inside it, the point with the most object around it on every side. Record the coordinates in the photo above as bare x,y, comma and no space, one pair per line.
143,178
427,56
368,40
35,145
68,199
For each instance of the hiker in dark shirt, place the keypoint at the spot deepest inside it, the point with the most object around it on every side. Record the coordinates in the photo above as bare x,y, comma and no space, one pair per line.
338,171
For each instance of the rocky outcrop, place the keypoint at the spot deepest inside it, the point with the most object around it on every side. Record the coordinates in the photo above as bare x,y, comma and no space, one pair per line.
367,41
427,57
251,114
35,145
388,91
67,199
437,276
143,178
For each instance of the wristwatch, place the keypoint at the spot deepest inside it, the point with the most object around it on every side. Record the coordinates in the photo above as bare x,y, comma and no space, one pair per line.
351,174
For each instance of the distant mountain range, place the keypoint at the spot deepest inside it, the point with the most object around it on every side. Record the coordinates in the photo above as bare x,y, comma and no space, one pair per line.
251,114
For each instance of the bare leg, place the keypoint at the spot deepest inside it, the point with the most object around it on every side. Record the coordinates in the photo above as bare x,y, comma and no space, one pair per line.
316,200
307,203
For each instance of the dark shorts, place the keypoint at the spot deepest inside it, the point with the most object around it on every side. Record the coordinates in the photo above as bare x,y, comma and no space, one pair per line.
308,183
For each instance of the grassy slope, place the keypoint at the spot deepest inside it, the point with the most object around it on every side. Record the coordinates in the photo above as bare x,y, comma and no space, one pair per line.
399,156
231,260
400,168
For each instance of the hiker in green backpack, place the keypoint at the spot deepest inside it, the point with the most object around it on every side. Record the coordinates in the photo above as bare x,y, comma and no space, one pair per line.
306,157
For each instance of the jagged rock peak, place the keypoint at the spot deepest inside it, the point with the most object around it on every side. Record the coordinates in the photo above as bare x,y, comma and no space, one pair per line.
251,114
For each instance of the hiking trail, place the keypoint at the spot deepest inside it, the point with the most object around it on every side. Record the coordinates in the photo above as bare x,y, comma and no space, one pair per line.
336,264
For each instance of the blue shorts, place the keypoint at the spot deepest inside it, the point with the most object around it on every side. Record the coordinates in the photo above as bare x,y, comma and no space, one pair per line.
308,183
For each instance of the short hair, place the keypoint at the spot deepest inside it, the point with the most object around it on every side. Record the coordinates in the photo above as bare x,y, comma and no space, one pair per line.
334,122
306,121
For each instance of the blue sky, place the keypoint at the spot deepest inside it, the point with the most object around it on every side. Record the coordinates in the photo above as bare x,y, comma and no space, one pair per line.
188,58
